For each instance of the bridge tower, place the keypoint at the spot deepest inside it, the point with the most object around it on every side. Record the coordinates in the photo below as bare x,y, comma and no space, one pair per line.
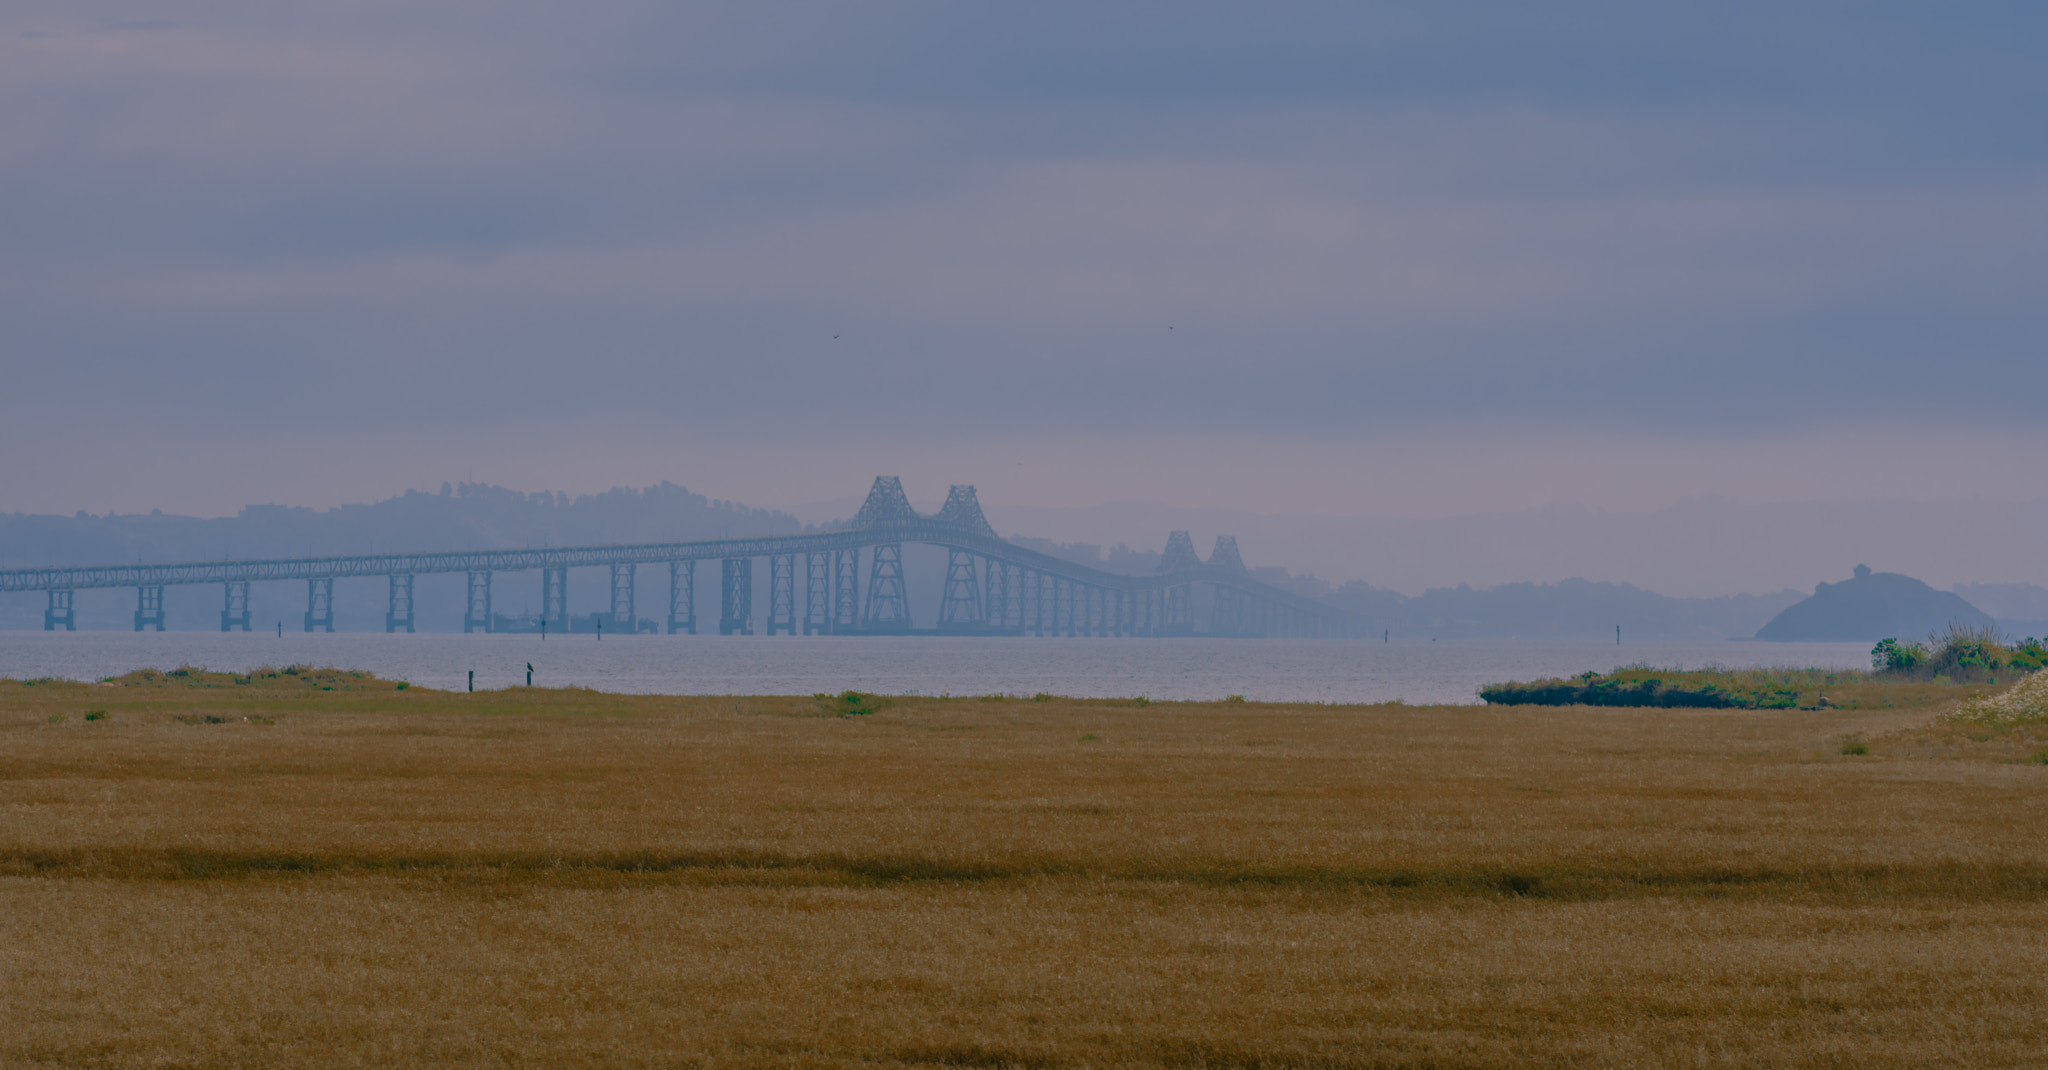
845,591
960,607
1179,560
682,597
59,614
149,607
887,506
1224,556
1179,555
818,592
396,617
782,594
234,612
736,597
624,617
554,598
964,509
320,604
1231,614
888,607
476,614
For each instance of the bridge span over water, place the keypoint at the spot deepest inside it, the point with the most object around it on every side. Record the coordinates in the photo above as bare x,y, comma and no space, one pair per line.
991,587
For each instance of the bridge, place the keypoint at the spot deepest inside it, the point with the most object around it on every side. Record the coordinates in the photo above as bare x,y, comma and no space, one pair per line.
991,587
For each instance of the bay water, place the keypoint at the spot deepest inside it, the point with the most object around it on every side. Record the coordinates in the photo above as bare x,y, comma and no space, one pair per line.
1267,670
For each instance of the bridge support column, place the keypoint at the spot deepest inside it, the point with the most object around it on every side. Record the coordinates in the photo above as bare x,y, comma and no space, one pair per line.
399,615
782,594
736,597
149,607
1040,603
1226,615
624,618
818,592
320,604
960,604
846,591
60,615
1180,609
888,608
1062,607
682,597
995,603
476,616
234,612
554,598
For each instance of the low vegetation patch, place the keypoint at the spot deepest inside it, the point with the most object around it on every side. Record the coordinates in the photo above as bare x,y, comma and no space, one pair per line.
1621,689
291,677
2023,705
849,703
1749,689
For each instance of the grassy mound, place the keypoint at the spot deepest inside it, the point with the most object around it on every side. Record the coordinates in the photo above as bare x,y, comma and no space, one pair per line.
1750,689
1617,690
291,677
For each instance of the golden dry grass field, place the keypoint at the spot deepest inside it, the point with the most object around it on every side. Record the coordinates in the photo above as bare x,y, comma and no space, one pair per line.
275,874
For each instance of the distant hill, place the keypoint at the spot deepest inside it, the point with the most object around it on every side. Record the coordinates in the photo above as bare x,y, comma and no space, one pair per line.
1872,606
1572,609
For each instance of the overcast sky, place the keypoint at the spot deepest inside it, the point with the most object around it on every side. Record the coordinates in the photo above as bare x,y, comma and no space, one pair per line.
1368,259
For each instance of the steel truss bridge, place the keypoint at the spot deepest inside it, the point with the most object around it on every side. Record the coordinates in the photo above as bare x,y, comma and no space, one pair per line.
992,586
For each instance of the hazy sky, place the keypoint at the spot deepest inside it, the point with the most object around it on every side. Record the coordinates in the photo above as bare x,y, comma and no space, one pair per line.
1371,259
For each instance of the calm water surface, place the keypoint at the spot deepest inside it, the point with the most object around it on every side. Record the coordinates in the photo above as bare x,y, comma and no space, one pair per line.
1274,670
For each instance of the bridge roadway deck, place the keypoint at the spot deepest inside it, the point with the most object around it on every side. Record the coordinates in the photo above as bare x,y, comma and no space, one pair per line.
344,566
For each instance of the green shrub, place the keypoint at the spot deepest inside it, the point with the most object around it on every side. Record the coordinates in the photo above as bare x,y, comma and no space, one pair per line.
849,703
1044,696
95,715
1855,747
1962,652
1233,698
1890,655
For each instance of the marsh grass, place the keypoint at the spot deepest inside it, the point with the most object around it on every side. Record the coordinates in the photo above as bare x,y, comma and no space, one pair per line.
1961,653
1782,689
567,878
